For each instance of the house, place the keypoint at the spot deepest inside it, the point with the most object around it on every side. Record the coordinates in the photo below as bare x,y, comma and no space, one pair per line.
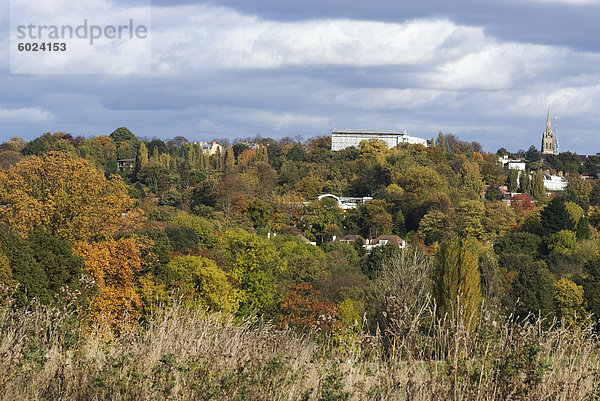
126,164
516,164
345,138
555,182
385,240
211,149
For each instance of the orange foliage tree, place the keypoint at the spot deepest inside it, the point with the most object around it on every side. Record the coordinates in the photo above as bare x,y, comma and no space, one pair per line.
305,307
65,196
112,264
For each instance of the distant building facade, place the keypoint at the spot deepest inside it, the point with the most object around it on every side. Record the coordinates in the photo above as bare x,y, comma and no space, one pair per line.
342,139
549,144
555,182
211,149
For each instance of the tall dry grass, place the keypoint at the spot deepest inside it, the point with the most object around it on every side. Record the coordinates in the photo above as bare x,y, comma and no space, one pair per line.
49,353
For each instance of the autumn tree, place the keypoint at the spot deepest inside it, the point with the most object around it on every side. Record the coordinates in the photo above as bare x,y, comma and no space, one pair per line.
457,281
113,264
498,220
66,196
304,307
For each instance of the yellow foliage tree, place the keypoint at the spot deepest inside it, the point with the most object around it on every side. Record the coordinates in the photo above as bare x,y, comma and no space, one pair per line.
66,196
112,264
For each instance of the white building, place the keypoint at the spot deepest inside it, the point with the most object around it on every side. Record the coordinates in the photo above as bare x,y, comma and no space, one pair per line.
516,164
555,182
345,138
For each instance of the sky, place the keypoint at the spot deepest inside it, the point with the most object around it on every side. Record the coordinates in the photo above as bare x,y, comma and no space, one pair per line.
484,71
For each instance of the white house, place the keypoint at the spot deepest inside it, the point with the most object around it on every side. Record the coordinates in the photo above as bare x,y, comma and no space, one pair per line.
516,164
385,240
555,182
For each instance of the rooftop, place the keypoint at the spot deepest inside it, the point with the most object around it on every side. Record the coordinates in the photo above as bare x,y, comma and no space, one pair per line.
369,131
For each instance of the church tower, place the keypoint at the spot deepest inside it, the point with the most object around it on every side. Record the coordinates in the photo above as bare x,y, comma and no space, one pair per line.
548,139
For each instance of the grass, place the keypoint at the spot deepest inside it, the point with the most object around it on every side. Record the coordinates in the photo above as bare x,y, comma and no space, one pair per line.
181,354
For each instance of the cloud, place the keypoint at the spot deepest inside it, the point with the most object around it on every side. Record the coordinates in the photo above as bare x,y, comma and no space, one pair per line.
32,114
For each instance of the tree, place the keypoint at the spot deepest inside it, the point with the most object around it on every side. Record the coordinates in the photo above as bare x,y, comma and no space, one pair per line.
468,218
321,219
56,257
532,154
203,228
253,262
203,284
537,186
555,217
25,269
591,287
434,227
457,281
533,289
113,264
66,196
142,157
525,184
126,143
518,243
306,308
562,242
182,237
498,220
569,301
583,229
513,180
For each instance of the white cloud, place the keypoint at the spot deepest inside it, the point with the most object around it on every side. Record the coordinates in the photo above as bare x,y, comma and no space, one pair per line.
31,114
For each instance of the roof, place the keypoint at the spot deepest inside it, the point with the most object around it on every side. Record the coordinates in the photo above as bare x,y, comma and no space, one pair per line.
351,237
391,240
369,131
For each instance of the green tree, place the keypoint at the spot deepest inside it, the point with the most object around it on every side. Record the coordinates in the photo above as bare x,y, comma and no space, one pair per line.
26,270
468,218
555,217
518,243
583,229
513,180
55,256
182,237
525,184
498,220
533,289
591,287
532,154
569,301
562,242
434,227
538,190
203,228
321,219
204,285
254,263
457,281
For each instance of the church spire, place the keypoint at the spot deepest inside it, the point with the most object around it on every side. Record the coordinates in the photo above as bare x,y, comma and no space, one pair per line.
548,140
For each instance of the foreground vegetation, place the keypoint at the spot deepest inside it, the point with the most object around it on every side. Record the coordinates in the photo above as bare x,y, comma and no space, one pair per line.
186,354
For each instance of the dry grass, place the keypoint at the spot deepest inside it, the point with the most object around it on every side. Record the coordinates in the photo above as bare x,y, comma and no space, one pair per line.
183,354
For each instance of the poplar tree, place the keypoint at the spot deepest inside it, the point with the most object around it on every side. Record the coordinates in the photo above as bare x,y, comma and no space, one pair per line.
457,281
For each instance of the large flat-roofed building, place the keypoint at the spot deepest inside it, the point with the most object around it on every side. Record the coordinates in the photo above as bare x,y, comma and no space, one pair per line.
345,138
